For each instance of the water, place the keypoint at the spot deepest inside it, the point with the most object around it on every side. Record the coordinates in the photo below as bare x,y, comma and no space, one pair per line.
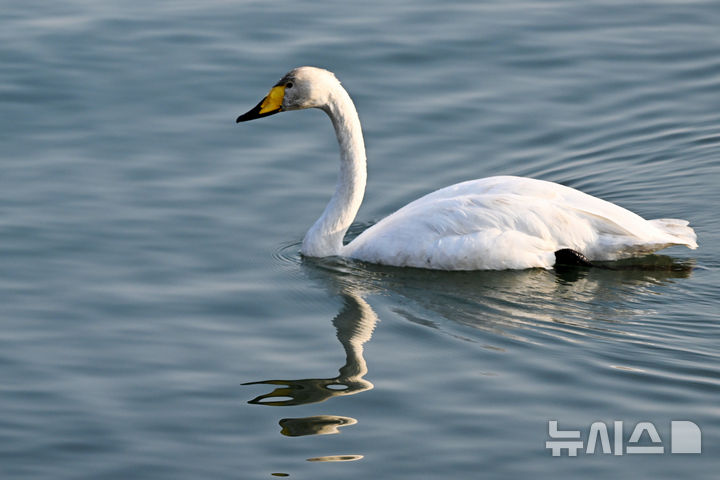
152,298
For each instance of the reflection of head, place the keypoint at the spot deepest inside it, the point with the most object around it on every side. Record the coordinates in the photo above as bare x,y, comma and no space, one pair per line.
317,425
355,324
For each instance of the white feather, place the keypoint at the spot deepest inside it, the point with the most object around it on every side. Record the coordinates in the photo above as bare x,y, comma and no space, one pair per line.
510,222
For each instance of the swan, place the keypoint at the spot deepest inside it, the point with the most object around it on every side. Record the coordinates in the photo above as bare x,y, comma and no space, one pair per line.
493,223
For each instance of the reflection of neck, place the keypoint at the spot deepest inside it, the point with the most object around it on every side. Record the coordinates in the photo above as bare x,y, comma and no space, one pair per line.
325,237
355,324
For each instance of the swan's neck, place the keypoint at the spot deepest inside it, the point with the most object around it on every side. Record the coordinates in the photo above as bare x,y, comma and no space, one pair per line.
325,237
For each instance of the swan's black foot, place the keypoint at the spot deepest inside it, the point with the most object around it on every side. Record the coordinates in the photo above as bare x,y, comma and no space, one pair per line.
567,257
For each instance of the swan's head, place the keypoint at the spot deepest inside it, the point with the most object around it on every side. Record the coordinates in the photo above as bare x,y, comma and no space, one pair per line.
302,87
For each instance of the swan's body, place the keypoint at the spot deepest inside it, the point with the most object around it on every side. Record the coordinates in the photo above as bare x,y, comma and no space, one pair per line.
487,224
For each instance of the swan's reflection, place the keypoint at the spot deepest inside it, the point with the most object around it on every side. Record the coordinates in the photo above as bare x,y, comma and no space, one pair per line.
354,324
521,305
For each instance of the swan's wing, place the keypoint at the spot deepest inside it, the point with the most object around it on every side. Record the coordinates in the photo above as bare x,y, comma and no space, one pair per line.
466,232
505,222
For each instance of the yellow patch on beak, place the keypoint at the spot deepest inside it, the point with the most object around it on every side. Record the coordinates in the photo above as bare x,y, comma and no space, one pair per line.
273,101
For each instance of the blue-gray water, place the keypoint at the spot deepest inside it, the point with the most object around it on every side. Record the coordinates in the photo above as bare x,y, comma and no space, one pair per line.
149,260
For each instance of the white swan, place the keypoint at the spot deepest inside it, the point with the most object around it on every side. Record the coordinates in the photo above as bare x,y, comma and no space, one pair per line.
488,224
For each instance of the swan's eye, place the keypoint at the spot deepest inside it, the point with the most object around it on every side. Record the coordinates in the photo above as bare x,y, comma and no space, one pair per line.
289,85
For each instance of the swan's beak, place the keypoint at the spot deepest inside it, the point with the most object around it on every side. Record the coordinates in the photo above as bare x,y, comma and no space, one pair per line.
269,105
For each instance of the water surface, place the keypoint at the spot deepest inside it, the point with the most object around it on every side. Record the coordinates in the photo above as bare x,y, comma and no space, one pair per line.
158,322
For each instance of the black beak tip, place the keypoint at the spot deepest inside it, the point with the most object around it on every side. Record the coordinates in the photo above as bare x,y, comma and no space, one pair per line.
251,115
255,113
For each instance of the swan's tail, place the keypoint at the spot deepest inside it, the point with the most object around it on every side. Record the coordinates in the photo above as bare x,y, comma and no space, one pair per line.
679,230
